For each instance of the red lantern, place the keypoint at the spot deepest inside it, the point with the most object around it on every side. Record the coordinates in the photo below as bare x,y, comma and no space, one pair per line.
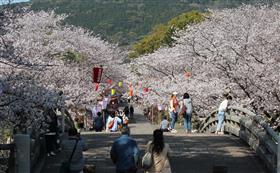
187,74
110,81
97,74
146,90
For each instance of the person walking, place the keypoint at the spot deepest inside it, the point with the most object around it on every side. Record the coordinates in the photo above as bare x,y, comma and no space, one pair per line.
221,113
187,115
126,111
125,153
160,154
173,111
131,111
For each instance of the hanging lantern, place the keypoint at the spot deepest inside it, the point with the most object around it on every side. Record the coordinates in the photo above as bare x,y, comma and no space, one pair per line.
120,84
187,74
146,90
96,86
110,81
97,74
113,91
130,90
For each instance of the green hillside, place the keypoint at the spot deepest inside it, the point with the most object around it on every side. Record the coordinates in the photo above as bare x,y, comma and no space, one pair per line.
126,21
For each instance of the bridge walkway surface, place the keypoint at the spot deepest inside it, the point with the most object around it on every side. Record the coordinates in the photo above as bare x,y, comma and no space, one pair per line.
191,153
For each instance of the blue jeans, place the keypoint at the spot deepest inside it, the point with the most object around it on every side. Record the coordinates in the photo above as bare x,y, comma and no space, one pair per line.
221,117
173,117
188,122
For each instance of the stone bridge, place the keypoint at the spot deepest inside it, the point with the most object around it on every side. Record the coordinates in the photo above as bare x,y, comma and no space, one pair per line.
251,129
249,146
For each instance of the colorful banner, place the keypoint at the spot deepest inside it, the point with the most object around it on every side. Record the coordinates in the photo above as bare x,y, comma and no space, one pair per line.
113,91
110,81
130,90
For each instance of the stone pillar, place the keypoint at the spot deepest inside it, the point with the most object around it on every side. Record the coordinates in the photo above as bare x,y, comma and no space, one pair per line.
278,156
22,142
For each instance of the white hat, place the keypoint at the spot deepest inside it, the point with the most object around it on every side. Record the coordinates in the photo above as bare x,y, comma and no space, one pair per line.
175,93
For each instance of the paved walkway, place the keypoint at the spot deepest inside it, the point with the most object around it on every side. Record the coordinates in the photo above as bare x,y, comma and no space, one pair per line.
195,153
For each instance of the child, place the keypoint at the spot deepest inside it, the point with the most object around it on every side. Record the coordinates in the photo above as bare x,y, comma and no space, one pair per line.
164,125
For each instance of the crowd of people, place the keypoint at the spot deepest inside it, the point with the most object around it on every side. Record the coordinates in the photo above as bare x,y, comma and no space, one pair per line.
124,152
112,122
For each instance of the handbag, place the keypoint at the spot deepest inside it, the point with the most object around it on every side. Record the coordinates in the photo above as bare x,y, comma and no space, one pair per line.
183,109
148,159
65,166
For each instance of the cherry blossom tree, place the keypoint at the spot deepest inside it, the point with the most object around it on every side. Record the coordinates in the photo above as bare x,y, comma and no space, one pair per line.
233,50
45,57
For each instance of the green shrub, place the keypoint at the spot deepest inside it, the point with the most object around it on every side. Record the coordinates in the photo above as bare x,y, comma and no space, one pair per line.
73,56
162,35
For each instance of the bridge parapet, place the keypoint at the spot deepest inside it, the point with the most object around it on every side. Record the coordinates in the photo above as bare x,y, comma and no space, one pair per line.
250,128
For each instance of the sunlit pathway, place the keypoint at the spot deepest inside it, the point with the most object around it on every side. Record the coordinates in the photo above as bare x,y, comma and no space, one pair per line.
196,153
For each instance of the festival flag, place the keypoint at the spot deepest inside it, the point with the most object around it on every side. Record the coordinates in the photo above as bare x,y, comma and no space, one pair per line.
96,86
110,81
113,91
130,90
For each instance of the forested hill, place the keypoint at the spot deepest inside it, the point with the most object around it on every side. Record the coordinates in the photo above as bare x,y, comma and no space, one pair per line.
125,21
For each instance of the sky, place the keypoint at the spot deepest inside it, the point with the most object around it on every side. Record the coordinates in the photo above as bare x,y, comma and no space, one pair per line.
13,1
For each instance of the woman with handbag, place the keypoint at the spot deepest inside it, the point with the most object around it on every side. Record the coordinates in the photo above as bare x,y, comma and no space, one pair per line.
160,154
187,112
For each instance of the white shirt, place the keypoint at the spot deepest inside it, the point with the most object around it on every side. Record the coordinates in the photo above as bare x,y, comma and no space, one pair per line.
223,106
94,112
117,121
104,104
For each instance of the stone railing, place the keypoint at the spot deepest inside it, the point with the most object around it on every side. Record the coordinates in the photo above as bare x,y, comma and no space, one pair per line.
7,158
37,151
252,129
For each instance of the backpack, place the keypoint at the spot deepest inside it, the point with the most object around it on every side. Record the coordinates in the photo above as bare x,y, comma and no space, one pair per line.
111,123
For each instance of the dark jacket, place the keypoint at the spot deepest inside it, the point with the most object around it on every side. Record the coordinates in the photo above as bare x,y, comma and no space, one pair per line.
125,154
98,122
